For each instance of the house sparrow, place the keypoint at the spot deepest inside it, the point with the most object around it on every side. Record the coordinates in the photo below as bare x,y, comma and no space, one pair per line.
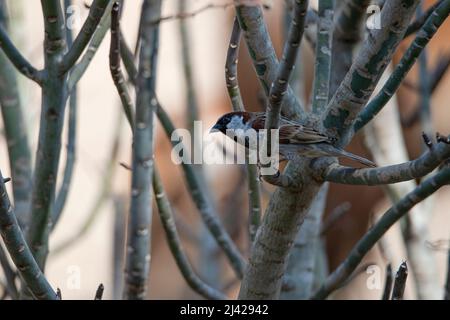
294,139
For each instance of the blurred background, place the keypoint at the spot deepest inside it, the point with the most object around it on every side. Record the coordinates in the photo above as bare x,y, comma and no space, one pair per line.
97,206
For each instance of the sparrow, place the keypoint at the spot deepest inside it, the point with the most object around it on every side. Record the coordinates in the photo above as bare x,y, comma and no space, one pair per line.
295,140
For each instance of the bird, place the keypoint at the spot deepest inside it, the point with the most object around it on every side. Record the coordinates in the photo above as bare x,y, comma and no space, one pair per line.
295,139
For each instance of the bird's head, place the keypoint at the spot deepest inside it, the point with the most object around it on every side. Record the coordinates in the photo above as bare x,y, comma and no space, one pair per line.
231,121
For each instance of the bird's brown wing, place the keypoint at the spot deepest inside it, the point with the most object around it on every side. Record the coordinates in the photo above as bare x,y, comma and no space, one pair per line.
291,132
299,134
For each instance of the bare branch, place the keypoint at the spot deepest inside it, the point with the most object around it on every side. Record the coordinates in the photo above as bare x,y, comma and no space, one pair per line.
80,68
343,271
360,82
99,292
231,76
263,55
400,282
385,175
388,283
115,68
404,66
417,24
231,79
140,217
16,58
173,239
207,212
19,250
280,85
96,12
322,77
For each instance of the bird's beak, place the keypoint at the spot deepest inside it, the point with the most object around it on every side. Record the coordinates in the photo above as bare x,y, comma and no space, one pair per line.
214,129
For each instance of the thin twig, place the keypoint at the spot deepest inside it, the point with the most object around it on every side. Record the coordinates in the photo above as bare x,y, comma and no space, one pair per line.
231,79
115,68
323,57
63,192
203,204
447,282
423,191
16,58
103,194
418,23
388,283
400,282
231,74
99,292
334,217
184,15
58,293
366,71
80,68
280,85
15,131
173,239
437,75
193,112
428,30
264,58
19,250
96,12
9,274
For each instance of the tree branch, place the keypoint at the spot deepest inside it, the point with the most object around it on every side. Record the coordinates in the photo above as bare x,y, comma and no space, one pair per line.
279,87
15,129
385,175
418,23
140,217
207,212
173,239
231,79
373,58
409,58
63,192
16,58
54,97
400,282
231,74
321,90
388,283
115,68
284,215
96,12
347,33
9,275
263,55
19,251
79,69
424,190
302,264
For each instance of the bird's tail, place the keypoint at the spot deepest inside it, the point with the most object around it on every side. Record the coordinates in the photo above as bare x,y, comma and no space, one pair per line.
316,150
364,161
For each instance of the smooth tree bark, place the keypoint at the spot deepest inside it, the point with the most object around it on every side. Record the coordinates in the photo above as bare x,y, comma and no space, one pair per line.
140,216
